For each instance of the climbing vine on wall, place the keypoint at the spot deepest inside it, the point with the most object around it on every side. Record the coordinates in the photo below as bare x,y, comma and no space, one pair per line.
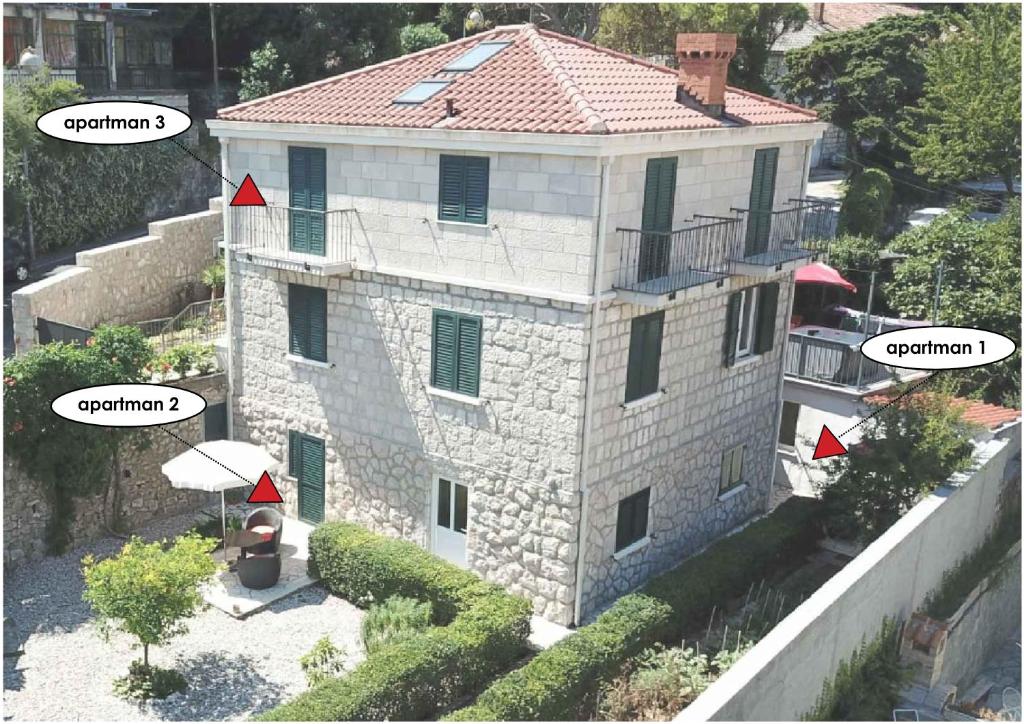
70,460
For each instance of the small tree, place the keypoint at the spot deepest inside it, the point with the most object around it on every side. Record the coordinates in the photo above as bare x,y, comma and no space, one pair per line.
421,36
865,204
213,277
906,450
149,589
265,74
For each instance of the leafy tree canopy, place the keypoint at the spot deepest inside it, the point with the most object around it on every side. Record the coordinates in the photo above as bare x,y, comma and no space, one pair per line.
577,19
421,36
650,29
968,123
981,287
265,74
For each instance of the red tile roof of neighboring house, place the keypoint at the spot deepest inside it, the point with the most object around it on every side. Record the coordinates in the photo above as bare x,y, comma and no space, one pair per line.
542,83
974,412
850,16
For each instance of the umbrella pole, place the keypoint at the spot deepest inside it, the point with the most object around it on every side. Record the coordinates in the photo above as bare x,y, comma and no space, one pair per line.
224,525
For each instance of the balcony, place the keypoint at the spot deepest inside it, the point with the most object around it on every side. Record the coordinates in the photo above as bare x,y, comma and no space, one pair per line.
660,266
775,241
832,357
293,239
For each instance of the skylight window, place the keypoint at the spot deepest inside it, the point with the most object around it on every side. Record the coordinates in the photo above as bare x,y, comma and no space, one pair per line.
472,58
424,90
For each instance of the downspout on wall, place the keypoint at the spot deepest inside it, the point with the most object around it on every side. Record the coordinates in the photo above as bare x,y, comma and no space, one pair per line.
226,195
588,396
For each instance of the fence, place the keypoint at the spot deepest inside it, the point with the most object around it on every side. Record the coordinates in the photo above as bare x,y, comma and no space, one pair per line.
832,362
659,262
808,225
20,76
50,331
292,234
201,322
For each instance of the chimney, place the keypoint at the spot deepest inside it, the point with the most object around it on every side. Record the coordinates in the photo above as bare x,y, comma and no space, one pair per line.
703,64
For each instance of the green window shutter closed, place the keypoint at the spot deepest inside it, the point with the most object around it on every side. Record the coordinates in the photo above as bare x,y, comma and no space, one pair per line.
298,320
294,453
477,170
643,366
307,189
311,479
732,327
317,313
317,200
468,363
442,375
768,304
463,189
762,198
659,194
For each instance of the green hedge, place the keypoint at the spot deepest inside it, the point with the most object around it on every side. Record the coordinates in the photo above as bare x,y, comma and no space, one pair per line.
561,682
414,679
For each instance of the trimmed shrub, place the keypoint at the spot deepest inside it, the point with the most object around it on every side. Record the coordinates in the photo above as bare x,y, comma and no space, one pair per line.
394,620
865,204
418,676
561,683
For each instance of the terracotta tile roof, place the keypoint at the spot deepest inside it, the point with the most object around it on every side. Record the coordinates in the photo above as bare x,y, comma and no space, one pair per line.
839,17
542,82
977,413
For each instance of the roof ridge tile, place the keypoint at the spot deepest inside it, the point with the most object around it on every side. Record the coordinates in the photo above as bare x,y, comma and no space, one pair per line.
565,80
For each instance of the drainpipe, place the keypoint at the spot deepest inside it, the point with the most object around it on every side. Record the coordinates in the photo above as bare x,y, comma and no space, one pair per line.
588,395
779,393
225,191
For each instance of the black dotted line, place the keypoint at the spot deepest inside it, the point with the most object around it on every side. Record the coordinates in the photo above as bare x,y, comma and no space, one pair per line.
893,401
186,442
189,152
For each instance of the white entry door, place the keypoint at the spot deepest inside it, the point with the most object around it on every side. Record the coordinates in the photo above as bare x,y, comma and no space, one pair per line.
451,510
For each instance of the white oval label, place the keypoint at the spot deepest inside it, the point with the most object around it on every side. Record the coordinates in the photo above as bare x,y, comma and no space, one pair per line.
128,405
114,123
938,348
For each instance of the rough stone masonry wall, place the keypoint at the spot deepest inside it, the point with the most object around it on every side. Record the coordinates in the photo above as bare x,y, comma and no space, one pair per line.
675,443
541,211
131,281
387,436
147,492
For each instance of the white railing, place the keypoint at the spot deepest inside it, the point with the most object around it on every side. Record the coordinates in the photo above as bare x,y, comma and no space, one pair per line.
312,239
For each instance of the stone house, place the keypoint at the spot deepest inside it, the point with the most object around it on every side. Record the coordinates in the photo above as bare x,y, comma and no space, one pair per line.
522,300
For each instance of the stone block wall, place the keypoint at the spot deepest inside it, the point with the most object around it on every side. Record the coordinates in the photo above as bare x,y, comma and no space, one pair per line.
541,214
675,442
147,493
132,281
388,435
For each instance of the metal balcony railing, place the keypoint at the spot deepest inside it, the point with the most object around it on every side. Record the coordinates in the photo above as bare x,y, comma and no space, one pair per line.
293,238
833,362
662,262
772,237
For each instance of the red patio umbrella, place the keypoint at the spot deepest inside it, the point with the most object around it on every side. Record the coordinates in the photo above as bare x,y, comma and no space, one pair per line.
819,273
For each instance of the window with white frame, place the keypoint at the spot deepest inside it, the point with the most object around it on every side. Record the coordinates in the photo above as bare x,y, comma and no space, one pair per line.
746,332
732,469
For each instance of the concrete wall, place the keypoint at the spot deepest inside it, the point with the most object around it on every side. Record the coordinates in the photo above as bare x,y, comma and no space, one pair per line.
387,435
675,443
131,281
544,209
147,493
782,676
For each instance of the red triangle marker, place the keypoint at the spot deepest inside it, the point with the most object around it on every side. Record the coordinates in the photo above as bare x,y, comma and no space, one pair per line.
248,194
265,491
828,445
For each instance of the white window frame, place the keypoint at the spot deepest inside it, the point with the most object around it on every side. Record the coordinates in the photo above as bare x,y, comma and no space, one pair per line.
748,321
731,475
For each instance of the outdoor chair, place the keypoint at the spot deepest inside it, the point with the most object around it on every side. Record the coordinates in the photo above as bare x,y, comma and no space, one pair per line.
259,571
264,521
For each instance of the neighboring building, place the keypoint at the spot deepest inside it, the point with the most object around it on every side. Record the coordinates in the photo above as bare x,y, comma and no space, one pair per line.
829,18
112,52
503,302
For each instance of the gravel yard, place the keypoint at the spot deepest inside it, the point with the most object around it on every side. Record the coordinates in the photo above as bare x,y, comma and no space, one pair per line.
234,668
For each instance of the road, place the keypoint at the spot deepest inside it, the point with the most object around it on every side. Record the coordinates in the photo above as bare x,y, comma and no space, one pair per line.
44,266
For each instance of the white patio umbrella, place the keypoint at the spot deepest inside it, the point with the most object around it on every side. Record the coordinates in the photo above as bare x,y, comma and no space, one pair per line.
217,466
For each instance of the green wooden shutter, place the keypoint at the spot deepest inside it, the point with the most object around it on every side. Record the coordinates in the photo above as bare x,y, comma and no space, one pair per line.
311,479
316,313
450,194
477,179
298,198
298,320
442,373
762,198
317,185
767,307
294,453
732,326
659,201
643,366
468,361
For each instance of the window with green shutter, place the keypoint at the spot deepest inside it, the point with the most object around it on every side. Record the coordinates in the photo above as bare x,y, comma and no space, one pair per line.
307,464
455,355
307,189
463,185
750,322
659,201
762,197
307,322
644,362
732,469
631,522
